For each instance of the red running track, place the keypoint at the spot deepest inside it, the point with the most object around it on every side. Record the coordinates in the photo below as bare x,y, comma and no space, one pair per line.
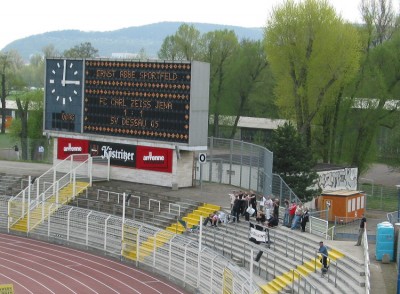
38,267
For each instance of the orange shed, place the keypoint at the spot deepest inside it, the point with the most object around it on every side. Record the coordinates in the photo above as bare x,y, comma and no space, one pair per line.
342,203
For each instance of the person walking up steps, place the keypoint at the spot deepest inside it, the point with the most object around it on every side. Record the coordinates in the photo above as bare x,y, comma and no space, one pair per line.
324,256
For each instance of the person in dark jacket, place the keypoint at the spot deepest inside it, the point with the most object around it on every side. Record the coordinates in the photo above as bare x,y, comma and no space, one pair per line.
304,219
236,209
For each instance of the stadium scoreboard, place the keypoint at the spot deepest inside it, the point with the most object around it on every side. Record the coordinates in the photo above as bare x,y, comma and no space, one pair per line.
161,101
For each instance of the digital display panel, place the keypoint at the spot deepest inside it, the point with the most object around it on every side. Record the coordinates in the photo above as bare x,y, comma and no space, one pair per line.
144,100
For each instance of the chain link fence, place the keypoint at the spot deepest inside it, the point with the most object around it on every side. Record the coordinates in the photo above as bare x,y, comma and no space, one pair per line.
38,150
379,197
237,163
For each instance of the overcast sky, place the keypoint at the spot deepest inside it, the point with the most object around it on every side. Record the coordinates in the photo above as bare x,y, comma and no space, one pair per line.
23,18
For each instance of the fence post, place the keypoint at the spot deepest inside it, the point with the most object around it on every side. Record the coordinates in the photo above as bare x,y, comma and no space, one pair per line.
230,161
241,163
211,158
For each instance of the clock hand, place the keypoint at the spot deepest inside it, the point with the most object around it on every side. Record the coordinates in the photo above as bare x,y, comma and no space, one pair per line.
64,69
67,82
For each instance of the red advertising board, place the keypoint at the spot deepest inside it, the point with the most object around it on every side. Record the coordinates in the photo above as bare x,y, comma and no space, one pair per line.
155,159
131,156
68,146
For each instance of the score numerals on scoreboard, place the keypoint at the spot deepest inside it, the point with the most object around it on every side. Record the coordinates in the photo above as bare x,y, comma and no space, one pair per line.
143,100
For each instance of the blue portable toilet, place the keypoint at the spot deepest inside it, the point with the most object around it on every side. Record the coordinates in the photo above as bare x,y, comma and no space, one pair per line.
384,240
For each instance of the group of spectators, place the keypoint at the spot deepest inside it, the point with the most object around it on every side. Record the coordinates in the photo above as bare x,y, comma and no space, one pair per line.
296,215
265,210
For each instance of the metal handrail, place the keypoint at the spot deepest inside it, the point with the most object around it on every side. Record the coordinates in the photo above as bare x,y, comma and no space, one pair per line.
174,205
302,278
157,201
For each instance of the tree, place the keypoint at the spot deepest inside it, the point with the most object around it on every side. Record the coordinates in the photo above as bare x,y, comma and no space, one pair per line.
24,100
215,47
293,161
50,51
218,47
381,84
245,72
312,53
379,18
377,79
184,45
83,50
10,62
33,73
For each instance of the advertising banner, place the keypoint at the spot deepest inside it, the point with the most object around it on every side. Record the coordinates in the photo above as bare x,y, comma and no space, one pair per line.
119,154
68,146
123,155
154,159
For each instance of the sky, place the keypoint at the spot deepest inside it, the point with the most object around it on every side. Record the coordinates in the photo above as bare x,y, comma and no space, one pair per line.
23,18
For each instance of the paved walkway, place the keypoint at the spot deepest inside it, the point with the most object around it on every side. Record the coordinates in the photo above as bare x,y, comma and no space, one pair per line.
383,276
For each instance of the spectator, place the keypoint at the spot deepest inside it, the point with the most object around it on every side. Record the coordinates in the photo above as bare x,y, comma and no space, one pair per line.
212,218
297,216
324,254
16,149
272,222
236,209
260,218
242,203
363,226
275,212
262,202
268,206
304,219
286,215
292,211
253,202
232,197
222,217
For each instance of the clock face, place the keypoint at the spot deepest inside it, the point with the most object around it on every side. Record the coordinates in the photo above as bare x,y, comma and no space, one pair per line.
64,94
65,81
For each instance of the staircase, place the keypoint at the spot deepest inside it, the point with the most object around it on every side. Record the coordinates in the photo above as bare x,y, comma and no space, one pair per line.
130,235
193,219
307,268
43,210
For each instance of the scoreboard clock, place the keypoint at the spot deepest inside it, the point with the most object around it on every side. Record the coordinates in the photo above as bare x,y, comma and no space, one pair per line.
64,93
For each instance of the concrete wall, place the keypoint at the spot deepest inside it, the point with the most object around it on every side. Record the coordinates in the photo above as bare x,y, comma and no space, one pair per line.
181,176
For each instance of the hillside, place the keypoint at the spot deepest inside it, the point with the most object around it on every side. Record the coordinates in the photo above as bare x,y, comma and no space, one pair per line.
126,40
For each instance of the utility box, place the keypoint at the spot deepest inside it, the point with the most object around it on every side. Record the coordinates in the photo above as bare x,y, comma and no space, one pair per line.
384,241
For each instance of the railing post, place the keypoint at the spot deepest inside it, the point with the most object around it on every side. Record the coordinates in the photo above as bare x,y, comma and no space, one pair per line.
48,222
230,161
211,159
251,266
29,209
90,170
105,233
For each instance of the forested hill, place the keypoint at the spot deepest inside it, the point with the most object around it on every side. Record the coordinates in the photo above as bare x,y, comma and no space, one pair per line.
127,40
